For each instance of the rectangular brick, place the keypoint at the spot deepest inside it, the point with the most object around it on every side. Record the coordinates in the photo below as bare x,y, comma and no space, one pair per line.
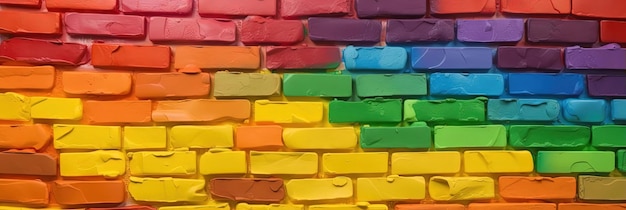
258,30
168,163
537,188
237,84
27,77
24,192
133,207
545,136
395,85
87,137
445,7
237,8
390,188
610,56
544,30
416,136
591,206
429,207
414,163
259,137
167,189
565,162
201,110
347,207
279,112
217,57
220,161
308,85
429,58
608,135
530,58
39,164
419,30
463,84
293,163
335,138
72,5
584,110
564,84
267,206
355,163
511,206
322,29
484,136
191,29
88,192
101,112
599,9
56,108
302,57
490,30
523,110
394,8
485,162
34,136
204,137
621,160
46,53
156,7
104,163
461,188
27,22
14,107
597,188
292,9
601,85
146,137
375,58
126,26
115,55
325,189
612,31
171,85
247,189
618,110
22,2
536,6
91,83
449,110
387,110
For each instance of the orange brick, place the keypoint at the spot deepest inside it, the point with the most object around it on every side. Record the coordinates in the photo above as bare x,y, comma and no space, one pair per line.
266,137
217,57
106,112
88,192
115,55
536,6
201,110
599,9
22,2
444,7
96,83
34,136
23,22
25,192
539,188
26,77
512,206
429,207
171,85
613,31
89,5
590,206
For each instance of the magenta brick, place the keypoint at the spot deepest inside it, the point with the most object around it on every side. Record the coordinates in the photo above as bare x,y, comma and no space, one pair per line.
390,8
420,30
105,25
352,31
307,8
259,30
237,7
302,57
157,7
192,29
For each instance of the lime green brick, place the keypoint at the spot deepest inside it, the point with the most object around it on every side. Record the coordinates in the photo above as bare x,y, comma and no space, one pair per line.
368,110
317,85
548,136
479,136
608,136
563,162
449,110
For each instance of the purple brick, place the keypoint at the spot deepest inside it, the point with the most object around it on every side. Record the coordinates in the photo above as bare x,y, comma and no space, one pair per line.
390,8
558,30
322,29
610,56
530,58
492,30
606,85
421,30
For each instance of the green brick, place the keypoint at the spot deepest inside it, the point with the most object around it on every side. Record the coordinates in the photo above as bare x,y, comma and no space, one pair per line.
317,85
608,136
621,160
368,110
562,162
412,137
479,136
371,85
549,136
449,110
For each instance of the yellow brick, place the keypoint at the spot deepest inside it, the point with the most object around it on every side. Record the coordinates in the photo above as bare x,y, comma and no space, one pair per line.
97,163
319,189
461,188
288,112
283,163
391,188
348,207
498,162
163,163
320,138
87,137
245,206
56,108
149,137
201,136
355,163
167,189
413,163
14,107
223,161
218,206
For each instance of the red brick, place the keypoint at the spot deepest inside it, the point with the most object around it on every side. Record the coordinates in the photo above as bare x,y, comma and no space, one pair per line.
429,207
157,7
105,25
82,5
536,6
107,112
22,2
443,7
24,192
591,206
512,206
613,31
308,8
192,29
258,30
26,22
47,52
116,55
302,57
237,7
599,9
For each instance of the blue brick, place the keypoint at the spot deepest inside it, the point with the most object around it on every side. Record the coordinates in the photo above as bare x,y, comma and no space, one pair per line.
454,84
538,84
451,58
523,109
375,58
587,111
618,109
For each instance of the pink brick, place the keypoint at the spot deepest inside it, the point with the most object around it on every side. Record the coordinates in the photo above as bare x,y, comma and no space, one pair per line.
159,7
307,8
259,30
192,29
105,25
237,7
